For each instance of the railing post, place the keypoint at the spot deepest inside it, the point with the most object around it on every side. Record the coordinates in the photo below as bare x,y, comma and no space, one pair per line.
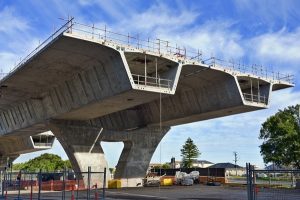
158,46
105,33
159,82
71,24
128,39
93,28
138,41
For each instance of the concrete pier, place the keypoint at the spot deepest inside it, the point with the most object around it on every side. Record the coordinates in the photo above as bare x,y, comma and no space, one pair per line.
82,145
139,146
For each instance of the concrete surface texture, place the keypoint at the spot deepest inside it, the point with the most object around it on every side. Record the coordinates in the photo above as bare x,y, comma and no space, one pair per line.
76,85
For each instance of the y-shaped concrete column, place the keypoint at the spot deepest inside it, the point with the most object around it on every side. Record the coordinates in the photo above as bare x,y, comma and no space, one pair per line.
83,148
139,146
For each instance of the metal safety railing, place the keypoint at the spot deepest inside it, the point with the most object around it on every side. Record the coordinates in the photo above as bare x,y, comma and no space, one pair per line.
255,98
157,45
134,41
151,81
257,70
43,144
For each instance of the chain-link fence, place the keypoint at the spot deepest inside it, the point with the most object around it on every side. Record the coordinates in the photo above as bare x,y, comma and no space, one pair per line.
53,185
272,184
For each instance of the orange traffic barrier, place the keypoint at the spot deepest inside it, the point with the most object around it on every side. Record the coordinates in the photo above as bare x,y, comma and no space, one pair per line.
96,192
72,197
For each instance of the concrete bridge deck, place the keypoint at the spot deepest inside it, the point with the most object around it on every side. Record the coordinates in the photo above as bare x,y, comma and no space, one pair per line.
83,80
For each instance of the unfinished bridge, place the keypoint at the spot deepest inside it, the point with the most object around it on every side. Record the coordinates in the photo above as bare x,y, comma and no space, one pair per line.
87,85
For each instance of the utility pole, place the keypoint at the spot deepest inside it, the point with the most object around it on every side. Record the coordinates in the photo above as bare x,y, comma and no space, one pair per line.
235,161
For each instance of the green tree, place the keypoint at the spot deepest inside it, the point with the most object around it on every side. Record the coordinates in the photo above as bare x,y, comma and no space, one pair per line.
163,166
281,135
46,162
189,152
166,166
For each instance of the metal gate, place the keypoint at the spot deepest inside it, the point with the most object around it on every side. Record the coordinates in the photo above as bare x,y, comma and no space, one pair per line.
272,184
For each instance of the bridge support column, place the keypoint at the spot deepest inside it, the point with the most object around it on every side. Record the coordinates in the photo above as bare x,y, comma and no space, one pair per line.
81,144
139,146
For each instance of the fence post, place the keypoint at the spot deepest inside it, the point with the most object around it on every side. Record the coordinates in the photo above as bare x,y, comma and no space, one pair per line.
104,184
4,184
89,184
77,185
1,182
248,180
63,184
19,183
31,187
40,184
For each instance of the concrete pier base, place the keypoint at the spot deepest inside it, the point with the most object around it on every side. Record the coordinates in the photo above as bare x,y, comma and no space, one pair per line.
81,144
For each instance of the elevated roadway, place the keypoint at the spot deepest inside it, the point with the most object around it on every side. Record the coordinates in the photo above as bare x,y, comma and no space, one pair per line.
88,85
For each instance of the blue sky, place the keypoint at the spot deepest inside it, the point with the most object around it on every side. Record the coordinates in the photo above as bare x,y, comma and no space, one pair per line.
256,32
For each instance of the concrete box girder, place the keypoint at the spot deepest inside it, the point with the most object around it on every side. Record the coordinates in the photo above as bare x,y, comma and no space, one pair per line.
101,87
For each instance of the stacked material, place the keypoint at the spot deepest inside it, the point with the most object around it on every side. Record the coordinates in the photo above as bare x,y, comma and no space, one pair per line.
183,178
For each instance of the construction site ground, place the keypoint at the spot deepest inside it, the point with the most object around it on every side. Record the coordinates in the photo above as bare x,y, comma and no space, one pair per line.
199,192
196,192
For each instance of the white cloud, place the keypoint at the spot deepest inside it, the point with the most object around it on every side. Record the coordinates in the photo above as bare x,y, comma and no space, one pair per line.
8,60
20,48
178,26
268,12
215,37
280,46
160,17
10,22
